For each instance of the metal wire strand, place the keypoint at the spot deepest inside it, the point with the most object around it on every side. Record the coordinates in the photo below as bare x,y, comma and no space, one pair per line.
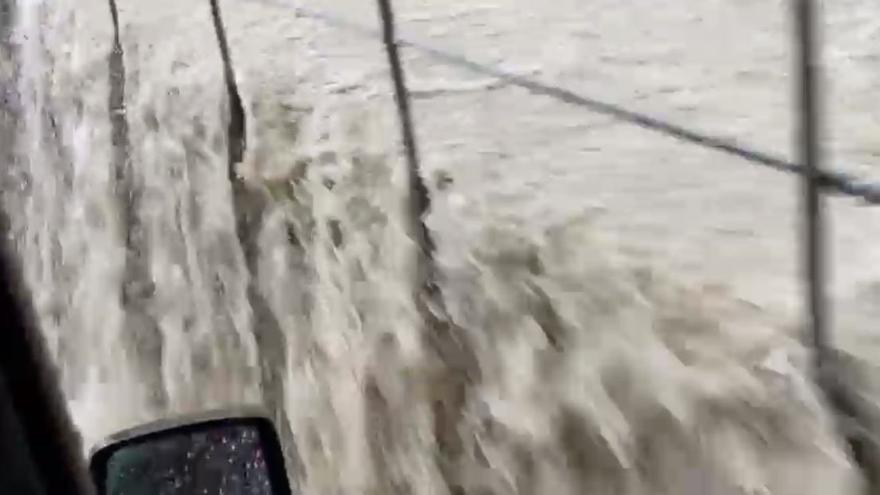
420,201
829,181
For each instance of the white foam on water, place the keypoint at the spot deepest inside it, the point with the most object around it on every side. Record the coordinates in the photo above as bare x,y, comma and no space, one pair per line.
588,371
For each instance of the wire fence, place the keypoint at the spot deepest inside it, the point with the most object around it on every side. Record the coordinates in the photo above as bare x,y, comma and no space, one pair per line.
829,180
817,180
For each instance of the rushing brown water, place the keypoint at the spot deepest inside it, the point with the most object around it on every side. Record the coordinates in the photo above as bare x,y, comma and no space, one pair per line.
625,303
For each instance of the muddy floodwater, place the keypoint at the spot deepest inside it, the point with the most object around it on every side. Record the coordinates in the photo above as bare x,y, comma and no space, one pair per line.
623,312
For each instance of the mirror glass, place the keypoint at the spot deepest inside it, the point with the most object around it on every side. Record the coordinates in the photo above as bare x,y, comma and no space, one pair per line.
220,459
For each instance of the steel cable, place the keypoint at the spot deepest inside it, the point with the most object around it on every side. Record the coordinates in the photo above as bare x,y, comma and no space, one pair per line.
831,181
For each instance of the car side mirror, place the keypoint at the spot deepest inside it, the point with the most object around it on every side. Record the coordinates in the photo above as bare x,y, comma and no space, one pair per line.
233,453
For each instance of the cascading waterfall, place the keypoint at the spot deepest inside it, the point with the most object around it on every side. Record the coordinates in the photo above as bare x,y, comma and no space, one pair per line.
73,260
83,238
594,376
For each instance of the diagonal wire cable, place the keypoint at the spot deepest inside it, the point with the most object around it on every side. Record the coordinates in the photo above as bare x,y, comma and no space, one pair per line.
834,181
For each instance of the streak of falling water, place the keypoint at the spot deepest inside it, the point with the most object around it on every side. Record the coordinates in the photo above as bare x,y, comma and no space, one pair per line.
63,220
71,229
594,376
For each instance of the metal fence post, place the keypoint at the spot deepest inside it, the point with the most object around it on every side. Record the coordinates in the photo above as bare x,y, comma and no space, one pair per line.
811,159
853,421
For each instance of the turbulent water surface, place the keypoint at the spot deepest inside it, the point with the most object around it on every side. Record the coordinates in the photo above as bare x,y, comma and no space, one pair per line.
626,307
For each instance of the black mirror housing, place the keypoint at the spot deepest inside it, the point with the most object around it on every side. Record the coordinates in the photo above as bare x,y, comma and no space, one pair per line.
236,452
